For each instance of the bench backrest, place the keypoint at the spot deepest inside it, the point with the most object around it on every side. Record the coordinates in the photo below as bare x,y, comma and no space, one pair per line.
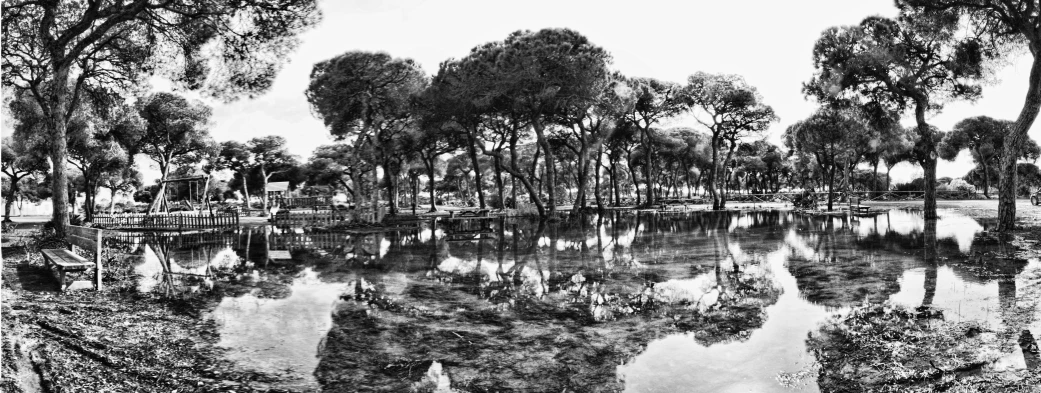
88,239
85,238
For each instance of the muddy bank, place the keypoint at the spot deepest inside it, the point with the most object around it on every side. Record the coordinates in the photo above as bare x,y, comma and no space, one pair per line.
83,341
893,348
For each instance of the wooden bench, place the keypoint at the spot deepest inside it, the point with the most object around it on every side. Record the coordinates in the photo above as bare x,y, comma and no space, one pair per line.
64,261
855,207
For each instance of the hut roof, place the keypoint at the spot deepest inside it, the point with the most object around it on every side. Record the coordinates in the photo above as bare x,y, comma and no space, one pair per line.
278,186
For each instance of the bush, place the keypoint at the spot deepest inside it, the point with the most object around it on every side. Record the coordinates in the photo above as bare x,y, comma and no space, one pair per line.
495,203
914,185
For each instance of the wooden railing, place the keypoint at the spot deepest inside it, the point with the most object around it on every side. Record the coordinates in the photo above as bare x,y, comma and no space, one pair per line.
172,240
298,202
321,218
290,241
166,221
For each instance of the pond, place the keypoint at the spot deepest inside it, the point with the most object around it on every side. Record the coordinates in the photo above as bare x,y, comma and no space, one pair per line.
625,301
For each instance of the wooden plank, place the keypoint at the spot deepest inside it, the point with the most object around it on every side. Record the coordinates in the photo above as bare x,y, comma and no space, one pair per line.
66,259
279,254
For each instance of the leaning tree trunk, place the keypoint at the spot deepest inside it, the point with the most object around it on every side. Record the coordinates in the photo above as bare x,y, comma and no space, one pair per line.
1015,138
472,151
159,201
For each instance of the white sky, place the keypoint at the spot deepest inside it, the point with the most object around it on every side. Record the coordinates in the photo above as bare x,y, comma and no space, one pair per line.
769,42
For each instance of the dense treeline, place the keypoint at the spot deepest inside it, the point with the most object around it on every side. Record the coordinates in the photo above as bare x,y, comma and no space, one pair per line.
535,121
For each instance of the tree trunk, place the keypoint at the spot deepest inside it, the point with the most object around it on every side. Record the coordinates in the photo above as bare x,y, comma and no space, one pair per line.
1015,138
159,202
714,173
11,191
375,195
206,194
499,184
415,191
614,184
551,172
356,178
472,150
112,200
58,104
263,197
583,180
831,187
245,189
648,168
986,174
632,177
927,157
596,178
430,175
929,167
392,187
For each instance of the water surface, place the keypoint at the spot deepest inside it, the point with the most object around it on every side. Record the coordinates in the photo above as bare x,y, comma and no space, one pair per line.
641,302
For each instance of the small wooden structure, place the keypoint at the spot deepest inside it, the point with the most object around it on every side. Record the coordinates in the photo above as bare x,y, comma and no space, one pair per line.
277,190
64,261
167,221
469,213
160,204
473,229
856,208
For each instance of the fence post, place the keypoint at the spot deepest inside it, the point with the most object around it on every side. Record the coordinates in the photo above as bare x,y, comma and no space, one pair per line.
97,264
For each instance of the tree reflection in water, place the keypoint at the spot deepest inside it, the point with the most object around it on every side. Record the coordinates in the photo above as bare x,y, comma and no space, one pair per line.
511,304
554,306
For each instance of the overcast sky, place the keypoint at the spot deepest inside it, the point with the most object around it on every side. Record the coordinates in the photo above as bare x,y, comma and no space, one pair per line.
769,42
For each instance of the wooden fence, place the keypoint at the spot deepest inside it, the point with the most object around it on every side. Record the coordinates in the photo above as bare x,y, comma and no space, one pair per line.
298,202
167,221
319,218
172,240
290,241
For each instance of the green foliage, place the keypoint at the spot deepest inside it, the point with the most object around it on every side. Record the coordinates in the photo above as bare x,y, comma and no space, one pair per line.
364,95
984,137
176,130
119,44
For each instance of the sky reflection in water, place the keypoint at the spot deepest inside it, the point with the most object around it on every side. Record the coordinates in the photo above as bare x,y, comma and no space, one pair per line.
640,302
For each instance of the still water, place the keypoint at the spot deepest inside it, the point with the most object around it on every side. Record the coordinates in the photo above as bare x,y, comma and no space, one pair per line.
626,301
